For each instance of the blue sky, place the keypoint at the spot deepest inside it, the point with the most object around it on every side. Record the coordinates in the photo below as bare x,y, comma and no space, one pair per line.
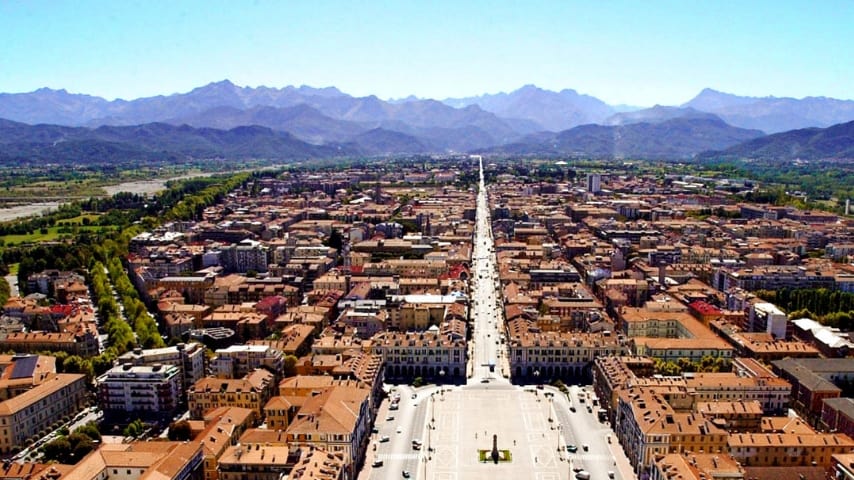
632,52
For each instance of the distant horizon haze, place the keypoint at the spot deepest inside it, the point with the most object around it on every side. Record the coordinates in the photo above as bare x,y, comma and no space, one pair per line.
420,97
623,52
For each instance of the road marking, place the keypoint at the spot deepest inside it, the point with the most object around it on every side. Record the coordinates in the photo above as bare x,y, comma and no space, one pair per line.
398,456
592,457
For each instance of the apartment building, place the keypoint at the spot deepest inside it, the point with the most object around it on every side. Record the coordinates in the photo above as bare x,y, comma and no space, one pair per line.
146,389
238,360
188,357
83,343
813,381
256,461
788,449
772,393
697,466
648,426
338,421
423,354
223,428
31,413
318,464
140,460
837,414
252,392
773,277
552,355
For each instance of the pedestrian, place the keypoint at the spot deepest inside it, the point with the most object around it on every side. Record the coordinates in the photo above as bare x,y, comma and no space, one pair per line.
535,459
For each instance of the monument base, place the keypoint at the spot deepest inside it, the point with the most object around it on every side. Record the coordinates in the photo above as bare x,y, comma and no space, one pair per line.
485,456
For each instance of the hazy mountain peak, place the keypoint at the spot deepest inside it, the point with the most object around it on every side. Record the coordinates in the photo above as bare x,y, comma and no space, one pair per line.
773,114
407,99
550,110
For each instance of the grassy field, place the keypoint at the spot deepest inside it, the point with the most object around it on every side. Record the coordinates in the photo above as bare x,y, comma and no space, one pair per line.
42,190
50,234
78,220
13,268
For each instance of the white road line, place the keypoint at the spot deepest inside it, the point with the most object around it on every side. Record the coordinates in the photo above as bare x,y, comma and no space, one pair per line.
398,456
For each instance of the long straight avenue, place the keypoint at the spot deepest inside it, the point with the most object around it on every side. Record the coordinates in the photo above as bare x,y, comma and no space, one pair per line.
454,426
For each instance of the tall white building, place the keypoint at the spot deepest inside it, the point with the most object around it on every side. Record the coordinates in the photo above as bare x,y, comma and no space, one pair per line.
594,182
189,358
143,388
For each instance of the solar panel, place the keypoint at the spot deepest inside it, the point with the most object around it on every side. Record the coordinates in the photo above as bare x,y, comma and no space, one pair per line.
24,366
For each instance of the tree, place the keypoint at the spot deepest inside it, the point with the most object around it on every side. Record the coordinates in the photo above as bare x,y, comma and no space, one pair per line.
58,450
76,364
81,445
180,431
134,429
290,366
90,430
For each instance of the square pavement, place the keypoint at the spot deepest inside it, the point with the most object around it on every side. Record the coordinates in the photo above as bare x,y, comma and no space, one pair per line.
466,420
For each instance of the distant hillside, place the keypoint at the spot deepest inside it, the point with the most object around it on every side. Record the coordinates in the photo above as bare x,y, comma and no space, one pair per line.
772,114
656,114
28,144
301,120
835,142
678,138
386,142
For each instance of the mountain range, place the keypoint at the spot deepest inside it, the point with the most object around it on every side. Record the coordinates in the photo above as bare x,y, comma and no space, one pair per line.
306,121
834,142
674,138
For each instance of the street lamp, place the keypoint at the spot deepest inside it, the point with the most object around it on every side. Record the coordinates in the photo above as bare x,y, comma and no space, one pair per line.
550,410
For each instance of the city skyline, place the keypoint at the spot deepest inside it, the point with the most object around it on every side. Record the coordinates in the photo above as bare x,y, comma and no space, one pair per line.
624,53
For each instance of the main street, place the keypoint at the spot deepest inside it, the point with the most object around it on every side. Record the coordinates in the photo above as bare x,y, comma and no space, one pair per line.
487,352
535,425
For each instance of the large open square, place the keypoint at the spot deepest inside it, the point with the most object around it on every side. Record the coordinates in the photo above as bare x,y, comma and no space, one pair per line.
467,418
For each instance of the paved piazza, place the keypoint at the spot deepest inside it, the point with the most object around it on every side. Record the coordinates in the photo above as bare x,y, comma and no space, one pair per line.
467,418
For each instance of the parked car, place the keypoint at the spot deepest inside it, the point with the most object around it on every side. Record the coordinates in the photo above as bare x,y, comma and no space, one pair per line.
384,439
377,463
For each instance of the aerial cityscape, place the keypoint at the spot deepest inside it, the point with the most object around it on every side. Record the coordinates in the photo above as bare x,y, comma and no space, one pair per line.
444,241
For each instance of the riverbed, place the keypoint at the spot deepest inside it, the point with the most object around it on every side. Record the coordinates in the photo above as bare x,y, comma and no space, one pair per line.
141,187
